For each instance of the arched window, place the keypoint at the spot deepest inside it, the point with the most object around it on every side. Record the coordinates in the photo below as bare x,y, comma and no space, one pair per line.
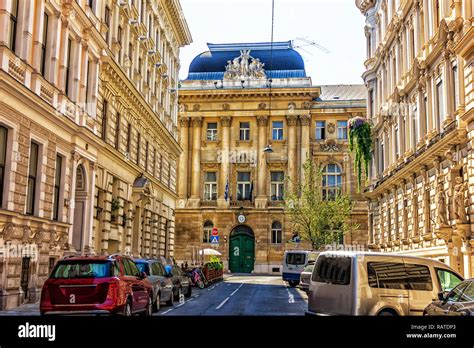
276,232
208,226
332,181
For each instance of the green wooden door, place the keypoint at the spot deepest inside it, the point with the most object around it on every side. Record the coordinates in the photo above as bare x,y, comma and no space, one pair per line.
242,253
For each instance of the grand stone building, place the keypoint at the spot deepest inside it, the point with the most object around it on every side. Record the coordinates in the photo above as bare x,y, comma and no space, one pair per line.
237,100
88,133
420,61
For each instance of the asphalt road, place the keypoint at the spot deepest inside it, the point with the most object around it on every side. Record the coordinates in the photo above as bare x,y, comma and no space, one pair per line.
236,295
243,295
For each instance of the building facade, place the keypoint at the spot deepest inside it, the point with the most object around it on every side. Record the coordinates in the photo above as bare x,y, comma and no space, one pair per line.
419,73
238,100
88,124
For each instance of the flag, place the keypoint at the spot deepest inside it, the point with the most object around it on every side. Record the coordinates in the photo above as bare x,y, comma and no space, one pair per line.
251,190
226,193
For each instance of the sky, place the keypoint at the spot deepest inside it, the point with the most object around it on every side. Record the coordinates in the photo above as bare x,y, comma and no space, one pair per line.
337,25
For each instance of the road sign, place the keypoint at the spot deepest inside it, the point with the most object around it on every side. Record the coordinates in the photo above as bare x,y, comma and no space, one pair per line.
215,232
215,240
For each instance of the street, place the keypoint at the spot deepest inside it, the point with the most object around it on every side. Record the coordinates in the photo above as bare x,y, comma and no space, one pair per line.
243,295
236,295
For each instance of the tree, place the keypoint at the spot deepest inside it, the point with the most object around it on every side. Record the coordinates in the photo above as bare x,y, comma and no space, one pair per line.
320,220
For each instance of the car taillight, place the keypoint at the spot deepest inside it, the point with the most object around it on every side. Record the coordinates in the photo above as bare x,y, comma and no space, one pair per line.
113,289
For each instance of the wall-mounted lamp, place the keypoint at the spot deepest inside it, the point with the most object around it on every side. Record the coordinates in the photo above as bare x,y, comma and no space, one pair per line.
151,52
216,84
268,149
133,22
269,82
157,65
242,82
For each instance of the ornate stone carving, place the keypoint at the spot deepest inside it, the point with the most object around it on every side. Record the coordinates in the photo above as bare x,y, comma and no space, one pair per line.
442,211
291,120
225,107
184,121
305,120
459,200
241,67
7,231
262,106
225,121
305,105
331,128
196,121
196,107
330,145
262,121
27,234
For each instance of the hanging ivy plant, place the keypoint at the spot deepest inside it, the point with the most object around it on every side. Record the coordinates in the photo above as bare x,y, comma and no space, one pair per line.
360,143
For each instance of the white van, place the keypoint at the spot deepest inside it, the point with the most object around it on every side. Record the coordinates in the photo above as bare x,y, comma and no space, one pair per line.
294,262
366,283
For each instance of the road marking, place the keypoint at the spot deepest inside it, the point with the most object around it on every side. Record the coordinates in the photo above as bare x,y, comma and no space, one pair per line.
211,288
291,297
223,303
232,294
169,310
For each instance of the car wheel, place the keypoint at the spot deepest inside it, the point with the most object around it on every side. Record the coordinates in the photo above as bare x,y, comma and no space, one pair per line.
149,308
170,300
156,306
386,313
127,310
293,283
190,290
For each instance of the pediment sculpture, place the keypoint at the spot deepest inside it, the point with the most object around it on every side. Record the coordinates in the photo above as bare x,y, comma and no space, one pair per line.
244,66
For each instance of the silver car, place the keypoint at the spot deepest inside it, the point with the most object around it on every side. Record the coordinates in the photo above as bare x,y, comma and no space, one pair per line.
367,283
305,277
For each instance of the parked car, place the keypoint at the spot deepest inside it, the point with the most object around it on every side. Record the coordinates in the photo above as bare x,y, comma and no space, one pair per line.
306,276
367,283
162,285
459,301
96,285
181,282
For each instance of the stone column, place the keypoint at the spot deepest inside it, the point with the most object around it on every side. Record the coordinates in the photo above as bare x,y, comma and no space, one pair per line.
305,145
63,54
431,125
448,89
55,48
38,34
261,199
25,20
196,170
467,256
291,122
405,211
224,172
183,162
426,202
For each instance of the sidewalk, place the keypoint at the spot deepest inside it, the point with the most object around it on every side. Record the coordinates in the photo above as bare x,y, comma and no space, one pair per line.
23,310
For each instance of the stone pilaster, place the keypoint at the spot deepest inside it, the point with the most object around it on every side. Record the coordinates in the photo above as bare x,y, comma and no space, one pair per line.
291,122
224,172
261,199
196,162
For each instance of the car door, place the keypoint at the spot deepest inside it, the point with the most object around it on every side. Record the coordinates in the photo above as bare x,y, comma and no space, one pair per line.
450,304
183,278
139,292
166,283
421,291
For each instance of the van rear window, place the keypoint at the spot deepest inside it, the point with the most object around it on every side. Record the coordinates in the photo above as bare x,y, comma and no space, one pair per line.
82,269
295,259
334,270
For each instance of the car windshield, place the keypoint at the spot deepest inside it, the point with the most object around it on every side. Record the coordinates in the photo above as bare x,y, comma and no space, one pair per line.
295,259
82,269
309,268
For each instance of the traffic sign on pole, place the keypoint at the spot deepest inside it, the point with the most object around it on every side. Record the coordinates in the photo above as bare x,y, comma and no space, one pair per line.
215,240
215,231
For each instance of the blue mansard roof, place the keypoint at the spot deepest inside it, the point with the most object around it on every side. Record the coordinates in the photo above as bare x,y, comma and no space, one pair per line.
284,62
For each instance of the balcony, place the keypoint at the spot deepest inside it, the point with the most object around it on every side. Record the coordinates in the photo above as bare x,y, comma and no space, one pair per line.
241,204
212,203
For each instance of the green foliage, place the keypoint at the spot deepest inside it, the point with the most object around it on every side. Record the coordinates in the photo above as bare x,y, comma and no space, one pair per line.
115,204
360,143
316,219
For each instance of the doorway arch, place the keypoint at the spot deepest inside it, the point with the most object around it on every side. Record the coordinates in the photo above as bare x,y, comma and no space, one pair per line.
242,250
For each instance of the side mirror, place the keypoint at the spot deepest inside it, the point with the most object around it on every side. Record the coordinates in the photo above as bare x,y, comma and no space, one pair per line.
142,275
168,275
442,295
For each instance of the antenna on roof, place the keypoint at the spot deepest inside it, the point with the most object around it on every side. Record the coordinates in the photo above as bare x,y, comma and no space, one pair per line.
309,43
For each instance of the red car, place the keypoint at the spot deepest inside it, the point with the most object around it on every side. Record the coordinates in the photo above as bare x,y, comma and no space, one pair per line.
97,285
